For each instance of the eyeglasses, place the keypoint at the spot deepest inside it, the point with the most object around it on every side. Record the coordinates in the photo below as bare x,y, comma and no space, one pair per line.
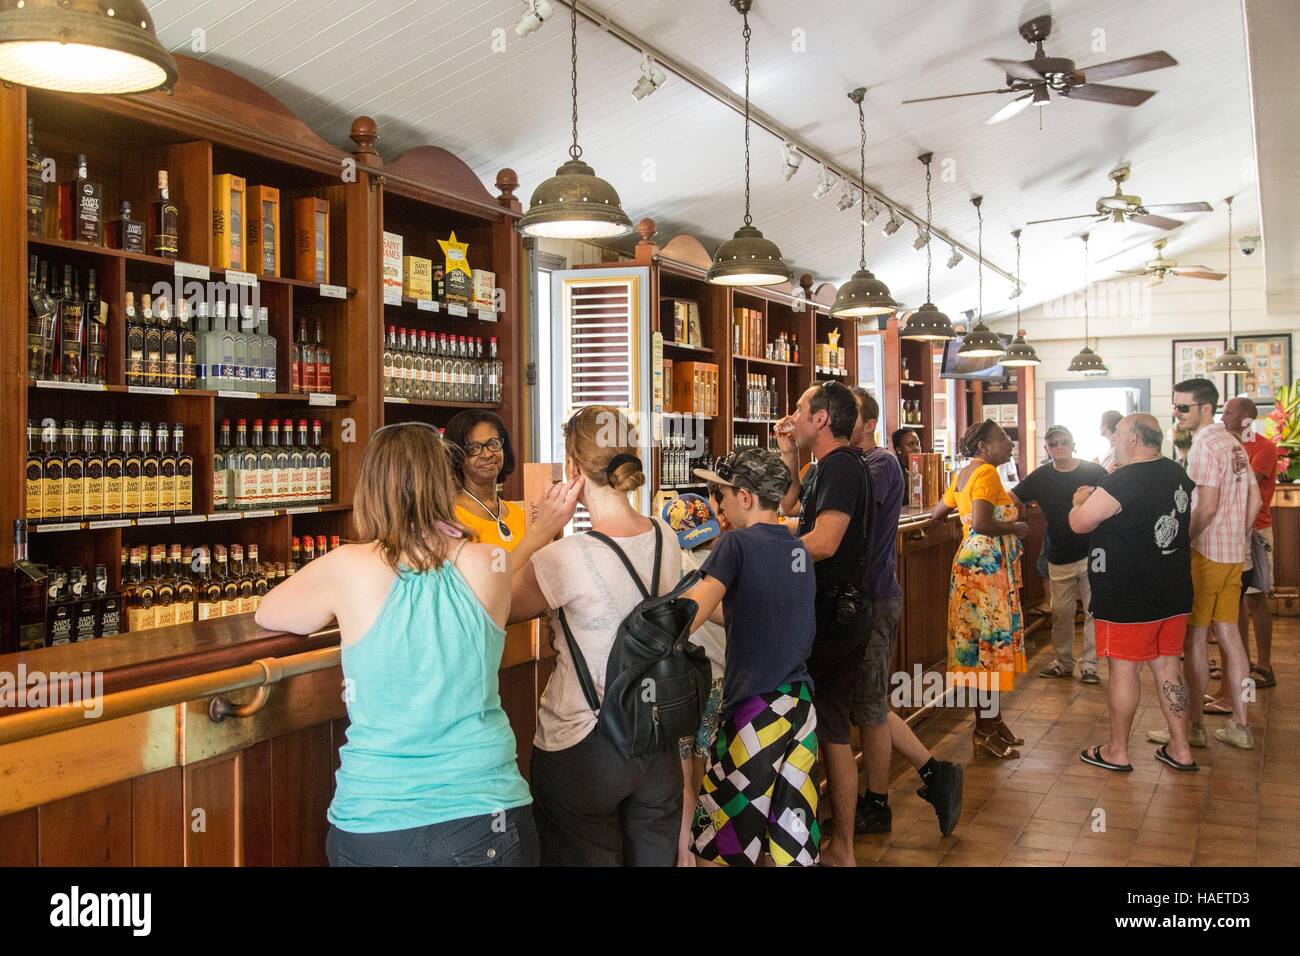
1059,443
1184,409
475,448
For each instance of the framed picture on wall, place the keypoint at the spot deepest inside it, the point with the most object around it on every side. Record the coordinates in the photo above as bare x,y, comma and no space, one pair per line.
1269,358
1193,358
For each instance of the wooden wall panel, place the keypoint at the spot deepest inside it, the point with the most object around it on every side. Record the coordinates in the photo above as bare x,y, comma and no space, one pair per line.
520,705
302,777
90,829
158,818
213,787
257,804
20,838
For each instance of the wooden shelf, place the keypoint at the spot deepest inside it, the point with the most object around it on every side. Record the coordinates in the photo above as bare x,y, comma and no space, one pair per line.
904,381
765,361
315,399
913,427
429,403
472,313
149,521
682,346
756,421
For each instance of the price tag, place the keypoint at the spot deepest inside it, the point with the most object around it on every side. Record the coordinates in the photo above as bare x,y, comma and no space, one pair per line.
65,526
149,390
392,297
456,309
333,291
486,315
394,400
158,519
189,519
324,399
260,513
110,523
226,393
225,515
234,277
192,270
75,386
426,305
302,510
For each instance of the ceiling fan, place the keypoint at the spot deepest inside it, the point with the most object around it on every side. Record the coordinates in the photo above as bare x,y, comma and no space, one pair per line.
1038,78
1160,267
1119,207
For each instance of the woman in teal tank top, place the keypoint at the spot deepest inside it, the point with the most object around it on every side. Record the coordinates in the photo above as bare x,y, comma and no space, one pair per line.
428,776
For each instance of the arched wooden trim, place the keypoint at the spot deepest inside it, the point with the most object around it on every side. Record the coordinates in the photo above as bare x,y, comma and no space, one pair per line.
825,294
441,170
687,249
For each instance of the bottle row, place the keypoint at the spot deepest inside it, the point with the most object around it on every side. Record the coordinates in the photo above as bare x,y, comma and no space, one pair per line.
440,367
761,396
678,457
267,467
76,474
911,413
67,331
741,442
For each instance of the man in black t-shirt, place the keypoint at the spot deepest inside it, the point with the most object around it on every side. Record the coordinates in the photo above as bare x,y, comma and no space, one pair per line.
1053,486
1140,568
832,524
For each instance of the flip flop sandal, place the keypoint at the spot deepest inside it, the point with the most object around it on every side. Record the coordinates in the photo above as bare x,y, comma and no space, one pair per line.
1268,679
1094,757
1163,756
1216,710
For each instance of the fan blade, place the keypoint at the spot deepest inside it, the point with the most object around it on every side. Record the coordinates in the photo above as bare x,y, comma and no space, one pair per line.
1132,272
1114,95
1039,222
1156,60
953,96
1181,207
1011,109
1018,69
1198,272
1160,222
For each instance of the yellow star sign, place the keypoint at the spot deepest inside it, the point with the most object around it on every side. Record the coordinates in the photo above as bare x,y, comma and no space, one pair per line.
455,253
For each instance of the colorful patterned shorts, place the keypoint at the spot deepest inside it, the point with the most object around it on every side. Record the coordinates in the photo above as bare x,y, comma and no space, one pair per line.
703,740
758,794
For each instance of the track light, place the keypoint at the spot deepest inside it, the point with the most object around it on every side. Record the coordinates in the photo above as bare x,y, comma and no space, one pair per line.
893,225
1016,292
651,79
825,183
536,12
848,199
955,258
871,211
922,239
791,156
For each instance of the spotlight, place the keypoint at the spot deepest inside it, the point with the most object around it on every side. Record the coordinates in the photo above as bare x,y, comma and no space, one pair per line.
871,211
792,158
922,239
651,79
848,199
536,12
825,183
1016,292
955,258
893,225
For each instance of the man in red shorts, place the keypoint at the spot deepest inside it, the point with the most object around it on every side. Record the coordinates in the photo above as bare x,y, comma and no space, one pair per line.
1140,571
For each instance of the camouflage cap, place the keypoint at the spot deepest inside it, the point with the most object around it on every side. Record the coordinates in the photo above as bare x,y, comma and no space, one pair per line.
759,470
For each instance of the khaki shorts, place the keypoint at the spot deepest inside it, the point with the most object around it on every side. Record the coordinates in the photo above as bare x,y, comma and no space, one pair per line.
1216,591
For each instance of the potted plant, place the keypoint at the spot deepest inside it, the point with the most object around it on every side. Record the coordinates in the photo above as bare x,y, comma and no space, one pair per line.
1283,427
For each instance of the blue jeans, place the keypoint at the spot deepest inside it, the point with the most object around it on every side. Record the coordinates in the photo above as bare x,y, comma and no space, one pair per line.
506,839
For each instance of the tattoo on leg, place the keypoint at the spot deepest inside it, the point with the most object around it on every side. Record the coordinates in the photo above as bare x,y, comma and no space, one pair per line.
1175,696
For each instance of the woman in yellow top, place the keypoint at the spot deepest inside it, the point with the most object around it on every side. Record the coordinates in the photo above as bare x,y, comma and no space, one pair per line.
986,637
487,459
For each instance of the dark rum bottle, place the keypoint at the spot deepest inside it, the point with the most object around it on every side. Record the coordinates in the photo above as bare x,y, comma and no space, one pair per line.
164,220
80,206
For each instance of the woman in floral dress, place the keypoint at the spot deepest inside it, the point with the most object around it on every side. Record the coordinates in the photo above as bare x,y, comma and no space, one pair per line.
986,636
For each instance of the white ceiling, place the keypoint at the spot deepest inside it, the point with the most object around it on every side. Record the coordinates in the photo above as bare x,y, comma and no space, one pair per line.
426,70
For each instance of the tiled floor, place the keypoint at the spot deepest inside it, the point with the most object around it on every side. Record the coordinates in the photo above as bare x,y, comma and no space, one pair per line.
1242,809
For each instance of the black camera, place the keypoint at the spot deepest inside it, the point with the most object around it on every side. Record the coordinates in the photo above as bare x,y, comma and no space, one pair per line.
849,602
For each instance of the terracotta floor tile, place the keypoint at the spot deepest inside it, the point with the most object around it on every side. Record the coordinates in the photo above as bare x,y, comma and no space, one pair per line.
898,856
1160,855
1066,808
1030,856
1087,859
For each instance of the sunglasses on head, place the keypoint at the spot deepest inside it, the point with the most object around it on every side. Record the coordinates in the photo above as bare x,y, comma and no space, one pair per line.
723,468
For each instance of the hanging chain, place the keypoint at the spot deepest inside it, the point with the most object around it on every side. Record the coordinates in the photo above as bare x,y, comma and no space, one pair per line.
748,218
862,180
1019,330
979,246
1086,341
928,211
1230,345
575,150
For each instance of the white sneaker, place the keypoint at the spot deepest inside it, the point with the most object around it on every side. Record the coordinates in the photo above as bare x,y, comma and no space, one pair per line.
1236,735
1195,736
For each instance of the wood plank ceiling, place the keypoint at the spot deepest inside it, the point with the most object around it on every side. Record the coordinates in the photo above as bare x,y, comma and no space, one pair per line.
430,72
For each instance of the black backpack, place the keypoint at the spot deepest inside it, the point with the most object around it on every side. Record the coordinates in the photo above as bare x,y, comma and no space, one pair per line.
656,680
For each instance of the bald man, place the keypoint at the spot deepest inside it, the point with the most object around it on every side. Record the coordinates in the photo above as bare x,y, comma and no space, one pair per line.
1140,572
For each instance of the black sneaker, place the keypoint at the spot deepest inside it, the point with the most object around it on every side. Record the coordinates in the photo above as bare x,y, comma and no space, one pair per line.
943,792
872,818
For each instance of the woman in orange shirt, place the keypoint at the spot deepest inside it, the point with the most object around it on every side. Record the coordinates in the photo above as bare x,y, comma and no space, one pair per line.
486,459
986,637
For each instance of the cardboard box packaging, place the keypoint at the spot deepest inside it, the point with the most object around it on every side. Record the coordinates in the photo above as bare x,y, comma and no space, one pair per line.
393,276
417,275
311,225
695,388
228,219
485,288
668,384
263,231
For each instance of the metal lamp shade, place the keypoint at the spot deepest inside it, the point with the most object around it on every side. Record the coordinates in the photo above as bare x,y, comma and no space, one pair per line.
82,46
1230,363
929,324
981,342
748,259
863,294
575,203
1088,362
1020,353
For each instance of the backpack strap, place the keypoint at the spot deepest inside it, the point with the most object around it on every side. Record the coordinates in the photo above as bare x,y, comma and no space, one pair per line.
580,666
627,563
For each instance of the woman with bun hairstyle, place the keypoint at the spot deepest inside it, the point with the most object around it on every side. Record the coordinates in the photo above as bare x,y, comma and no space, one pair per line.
593,806
986,634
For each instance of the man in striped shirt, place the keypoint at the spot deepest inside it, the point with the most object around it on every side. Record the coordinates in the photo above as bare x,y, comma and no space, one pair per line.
1224,507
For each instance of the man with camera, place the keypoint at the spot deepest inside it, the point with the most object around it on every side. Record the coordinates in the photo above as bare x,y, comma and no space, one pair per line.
834,527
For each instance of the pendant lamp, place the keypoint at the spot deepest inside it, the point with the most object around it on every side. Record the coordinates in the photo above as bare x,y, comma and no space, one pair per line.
981,341
575,203
78,46
1230,362
927,322
747,258
1019,353
1087,362
863,294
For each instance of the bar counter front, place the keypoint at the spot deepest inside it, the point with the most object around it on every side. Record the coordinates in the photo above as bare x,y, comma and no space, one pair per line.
217,741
